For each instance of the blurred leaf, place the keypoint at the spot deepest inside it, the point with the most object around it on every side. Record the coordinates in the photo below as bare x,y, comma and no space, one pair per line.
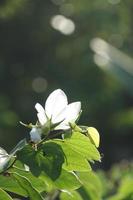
92,186
123,119
9,8
9,118
125,191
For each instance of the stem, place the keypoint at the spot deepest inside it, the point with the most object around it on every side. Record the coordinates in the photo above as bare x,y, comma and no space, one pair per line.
19,168
52,195
48,137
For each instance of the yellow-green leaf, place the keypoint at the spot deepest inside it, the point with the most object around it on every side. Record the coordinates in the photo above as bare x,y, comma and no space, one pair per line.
94,136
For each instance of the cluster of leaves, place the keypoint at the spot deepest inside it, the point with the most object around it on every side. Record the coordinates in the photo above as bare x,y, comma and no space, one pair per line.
56,160
50,167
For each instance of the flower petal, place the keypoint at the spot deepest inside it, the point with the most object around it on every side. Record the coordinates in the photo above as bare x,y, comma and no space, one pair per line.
71,114
60,117
55,104
72,111
39,108
62,126
41,114
42,118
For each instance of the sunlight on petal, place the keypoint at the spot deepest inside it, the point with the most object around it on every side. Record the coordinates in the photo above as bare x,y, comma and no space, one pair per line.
72,111
62,126
39,108
42,118
71,114
55,103
60,117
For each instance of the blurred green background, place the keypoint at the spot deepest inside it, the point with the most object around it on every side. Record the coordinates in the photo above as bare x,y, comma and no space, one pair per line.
45,45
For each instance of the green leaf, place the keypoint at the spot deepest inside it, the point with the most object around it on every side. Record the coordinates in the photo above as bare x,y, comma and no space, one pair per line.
48,182
30,157
36,182
81,144
94,136
41,183
49,158
73,195
77,150
91,187
33,194
73,160
4,195
53,152
8,183
67,181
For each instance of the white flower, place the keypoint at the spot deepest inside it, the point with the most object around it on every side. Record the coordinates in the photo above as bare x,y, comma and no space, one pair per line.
58,110
35,135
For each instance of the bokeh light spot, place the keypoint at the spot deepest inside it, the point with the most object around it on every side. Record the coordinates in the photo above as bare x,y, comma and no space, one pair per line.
64,25
100,61
39,84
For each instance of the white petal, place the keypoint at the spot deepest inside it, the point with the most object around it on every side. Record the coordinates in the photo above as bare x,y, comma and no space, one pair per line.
42,118
41,114
60,117
71,114
55,104
39,108
62,126
72,111
35,135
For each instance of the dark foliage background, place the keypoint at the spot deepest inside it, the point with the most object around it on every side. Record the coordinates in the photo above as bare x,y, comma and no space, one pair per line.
35,59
